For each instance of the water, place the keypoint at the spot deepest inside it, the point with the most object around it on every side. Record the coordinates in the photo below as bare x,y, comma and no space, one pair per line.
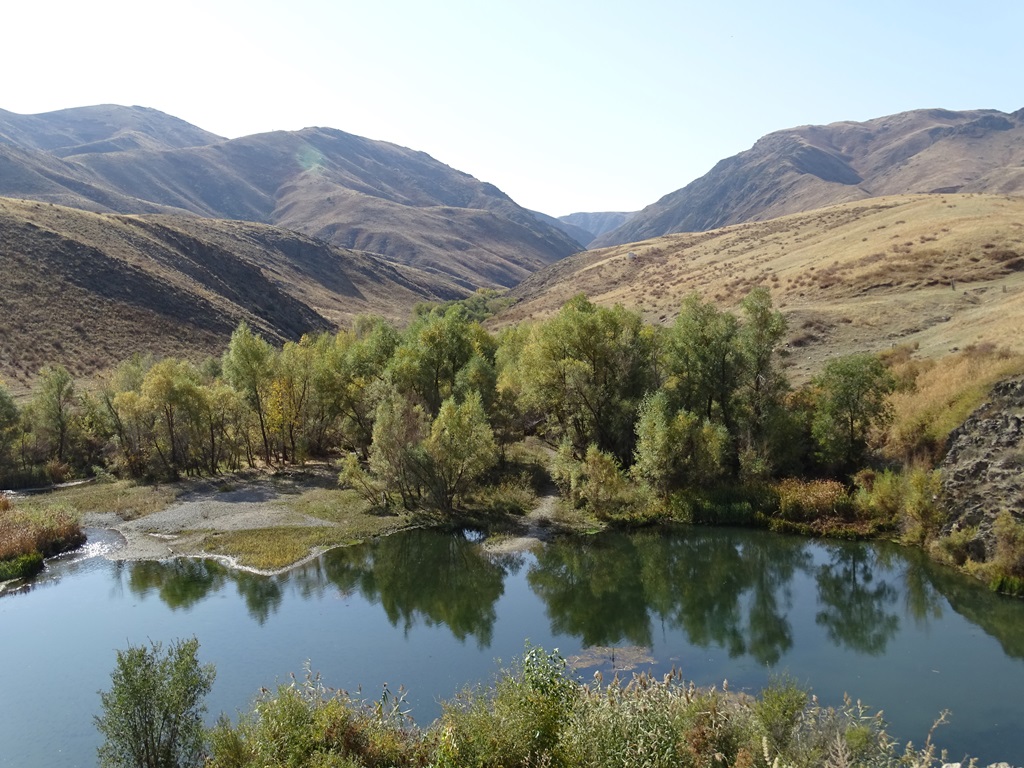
430,612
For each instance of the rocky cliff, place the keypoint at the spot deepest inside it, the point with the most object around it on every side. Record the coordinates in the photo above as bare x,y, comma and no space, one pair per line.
983,472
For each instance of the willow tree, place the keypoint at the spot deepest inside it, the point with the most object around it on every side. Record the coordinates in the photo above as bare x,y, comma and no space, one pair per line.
586,370
152,716
851,398
249,364
763,385
676,448
54,404
460,447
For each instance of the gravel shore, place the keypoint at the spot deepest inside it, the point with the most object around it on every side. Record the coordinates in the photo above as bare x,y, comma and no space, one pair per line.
179,529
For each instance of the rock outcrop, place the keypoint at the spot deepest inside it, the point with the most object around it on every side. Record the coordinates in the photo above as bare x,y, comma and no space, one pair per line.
983,472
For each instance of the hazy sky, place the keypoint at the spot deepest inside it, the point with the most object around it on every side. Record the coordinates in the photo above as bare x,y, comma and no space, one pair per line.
566,106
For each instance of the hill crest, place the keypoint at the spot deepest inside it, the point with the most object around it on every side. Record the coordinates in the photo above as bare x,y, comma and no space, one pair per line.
812,166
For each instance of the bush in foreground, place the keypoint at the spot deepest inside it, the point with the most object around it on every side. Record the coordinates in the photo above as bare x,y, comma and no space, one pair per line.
153,713
535,714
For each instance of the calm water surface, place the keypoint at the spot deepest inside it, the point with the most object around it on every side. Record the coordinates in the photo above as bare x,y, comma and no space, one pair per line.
430,612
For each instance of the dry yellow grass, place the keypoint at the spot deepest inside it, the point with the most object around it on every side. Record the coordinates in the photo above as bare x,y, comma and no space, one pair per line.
23,531
125,498
941,271
944,393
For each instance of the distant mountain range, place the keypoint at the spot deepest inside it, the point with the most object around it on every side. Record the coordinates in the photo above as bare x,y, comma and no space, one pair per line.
347,190
802,169
133,230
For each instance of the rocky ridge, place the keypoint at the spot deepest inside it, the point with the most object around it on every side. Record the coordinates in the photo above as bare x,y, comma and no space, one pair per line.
983,471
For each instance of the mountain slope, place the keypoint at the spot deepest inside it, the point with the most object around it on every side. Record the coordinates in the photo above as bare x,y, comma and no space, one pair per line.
939,271
102,128
596,224
87,290
353,192
805,168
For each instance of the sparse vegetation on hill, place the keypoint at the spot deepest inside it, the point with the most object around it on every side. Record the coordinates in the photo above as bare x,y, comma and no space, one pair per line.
88,290
353,192
801,169
939,271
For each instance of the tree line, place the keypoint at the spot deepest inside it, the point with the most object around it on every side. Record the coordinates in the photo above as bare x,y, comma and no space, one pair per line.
419,415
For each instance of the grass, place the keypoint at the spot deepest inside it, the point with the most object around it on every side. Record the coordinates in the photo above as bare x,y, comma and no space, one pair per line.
127,499
537,714
938,397
26,536
350,518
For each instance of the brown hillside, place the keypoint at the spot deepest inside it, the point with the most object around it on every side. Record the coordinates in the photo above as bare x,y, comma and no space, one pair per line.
87,290
813,166
940,271
347,190
102,128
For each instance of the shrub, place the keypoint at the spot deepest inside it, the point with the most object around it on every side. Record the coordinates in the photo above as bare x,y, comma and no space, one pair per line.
778,711
907,500
808,500
956,547
307,724
152,716
518,721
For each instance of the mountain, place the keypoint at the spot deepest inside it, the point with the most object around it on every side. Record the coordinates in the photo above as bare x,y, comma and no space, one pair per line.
579,234
940,271
596,224
89,289
350,191
103,128
802,169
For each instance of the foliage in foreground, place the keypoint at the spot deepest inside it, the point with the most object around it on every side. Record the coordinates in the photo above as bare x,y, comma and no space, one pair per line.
536,714
152,716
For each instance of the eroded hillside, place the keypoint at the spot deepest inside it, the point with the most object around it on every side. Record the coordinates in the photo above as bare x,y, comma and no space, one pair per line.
939,271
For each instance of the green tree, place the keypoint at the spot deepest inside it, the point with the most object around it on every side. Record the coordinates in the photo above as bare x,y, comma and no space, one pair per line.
170,390
703,362
460,447
54,404
676,449
396,455
433,351
152,716
851,399
287,403
353,382
586,371
249,367
764,384
9,421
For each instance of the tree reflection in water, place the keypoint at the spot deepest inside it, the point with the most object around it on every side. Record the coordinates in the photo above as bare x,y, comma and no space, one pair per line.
855,607
441,578
184,582
723,588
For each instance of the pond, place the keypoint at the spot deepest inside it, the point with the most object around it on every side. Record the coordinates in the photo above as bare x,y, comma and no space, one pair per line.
432,612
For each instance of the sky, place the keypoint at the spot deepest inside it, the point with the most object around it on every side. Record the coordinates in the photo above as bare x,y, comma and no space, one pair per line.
564,105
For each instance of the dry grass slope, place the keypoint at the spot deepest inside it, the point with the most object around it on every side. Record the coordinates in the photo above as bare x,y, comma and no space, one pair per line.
87,290
939,271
